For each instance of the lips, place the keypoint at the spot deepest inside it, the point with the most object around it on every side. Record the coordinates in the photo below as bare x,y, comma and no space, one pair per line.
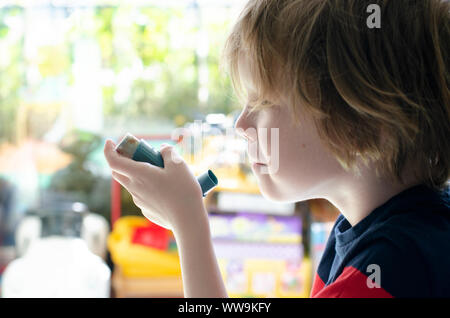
257,163
254,161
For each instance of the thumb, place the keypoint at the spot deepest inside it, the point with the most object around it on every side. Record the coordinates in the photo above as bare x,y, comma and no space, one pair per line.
108,149
170,155
109,144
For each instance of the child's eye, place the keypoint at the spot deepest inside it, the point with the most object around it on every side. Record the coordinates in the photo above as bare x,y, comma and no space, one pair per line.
250,107
261,105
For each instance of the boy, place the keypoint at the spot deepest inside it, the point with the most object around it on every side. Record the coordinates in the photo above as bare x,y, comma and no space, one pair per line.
363,119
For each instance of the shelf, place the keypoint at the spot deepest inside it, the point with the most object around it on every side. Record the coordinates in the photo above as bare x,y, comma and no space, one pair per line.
158,287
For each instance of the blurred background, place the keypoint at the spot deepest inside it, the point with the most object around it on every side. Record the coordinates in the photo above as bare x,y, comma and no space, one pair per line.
74,73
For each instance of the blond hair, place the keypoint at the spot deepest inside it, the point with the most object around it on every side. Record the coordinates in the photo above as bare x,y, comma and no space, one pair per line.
379,93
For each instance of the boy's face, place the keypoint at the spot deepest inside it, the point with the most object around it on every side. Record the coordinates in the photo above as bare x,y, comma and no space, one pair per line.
296,166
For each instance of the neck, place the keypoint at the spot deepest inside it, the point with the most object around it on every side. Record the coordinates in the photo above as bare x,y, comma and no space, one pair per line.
357,196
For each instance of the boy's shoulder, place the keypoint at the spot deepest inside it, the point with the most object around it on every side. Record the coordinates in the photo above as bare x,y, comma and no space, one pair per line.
408,246
399,250
417,216
418,212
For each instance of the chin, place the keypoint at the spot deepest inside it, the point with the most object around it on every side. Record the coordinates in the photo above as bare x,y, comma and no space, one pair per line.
282,193
272,192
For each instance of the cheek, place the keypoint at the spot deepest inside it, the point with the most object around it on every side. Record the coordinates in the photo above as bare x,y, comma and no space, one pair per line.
280,152
271,133
298,162
296,151
303,161
289,153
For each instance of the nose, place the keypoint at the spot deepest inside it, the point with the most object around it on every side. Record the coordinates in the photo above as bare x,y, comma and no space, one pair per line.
244,126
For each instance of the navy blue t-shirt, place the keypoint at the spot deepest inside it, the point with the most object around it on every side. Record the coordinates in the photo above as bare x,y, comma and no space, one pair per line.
401,249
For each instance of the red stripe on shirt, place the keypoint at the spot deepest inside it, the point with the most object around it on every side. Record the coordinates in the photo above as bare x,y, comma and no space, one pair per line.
318,285
350,284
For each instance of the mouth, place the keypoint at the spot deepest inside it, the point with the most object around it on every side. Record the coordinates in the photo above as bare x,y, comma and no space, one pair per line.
259,164
254,162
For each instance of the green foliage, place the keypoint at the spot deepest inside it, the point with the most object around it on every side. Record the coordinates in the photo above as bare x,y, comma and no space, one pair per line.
160,42
11,75
76,180
169,85
152,48
76,176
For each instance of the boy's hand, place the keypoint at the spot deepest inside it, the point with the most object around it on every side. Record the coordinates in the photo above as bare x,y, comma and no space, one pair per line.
168,196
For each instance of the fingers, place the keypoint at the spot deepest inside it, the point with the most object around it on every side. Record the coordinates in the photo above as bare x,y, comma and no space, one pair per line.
123,180
121,164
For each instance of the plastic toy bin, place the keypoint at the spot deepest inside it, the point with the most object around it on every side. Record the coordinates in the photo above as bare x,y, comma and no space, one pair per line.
132,251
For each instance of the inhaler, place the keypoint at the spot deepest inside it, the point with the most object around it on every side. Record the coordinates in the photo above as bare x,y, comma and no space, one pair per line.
139,150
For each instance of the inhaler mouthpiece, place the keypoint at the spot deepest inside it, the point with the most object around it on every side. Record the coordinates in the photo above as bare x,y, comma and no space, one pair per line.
139,150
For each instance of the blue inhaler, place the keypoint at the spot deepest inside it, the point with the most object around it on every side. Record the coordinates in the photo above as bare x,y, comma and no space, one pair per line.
139,150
